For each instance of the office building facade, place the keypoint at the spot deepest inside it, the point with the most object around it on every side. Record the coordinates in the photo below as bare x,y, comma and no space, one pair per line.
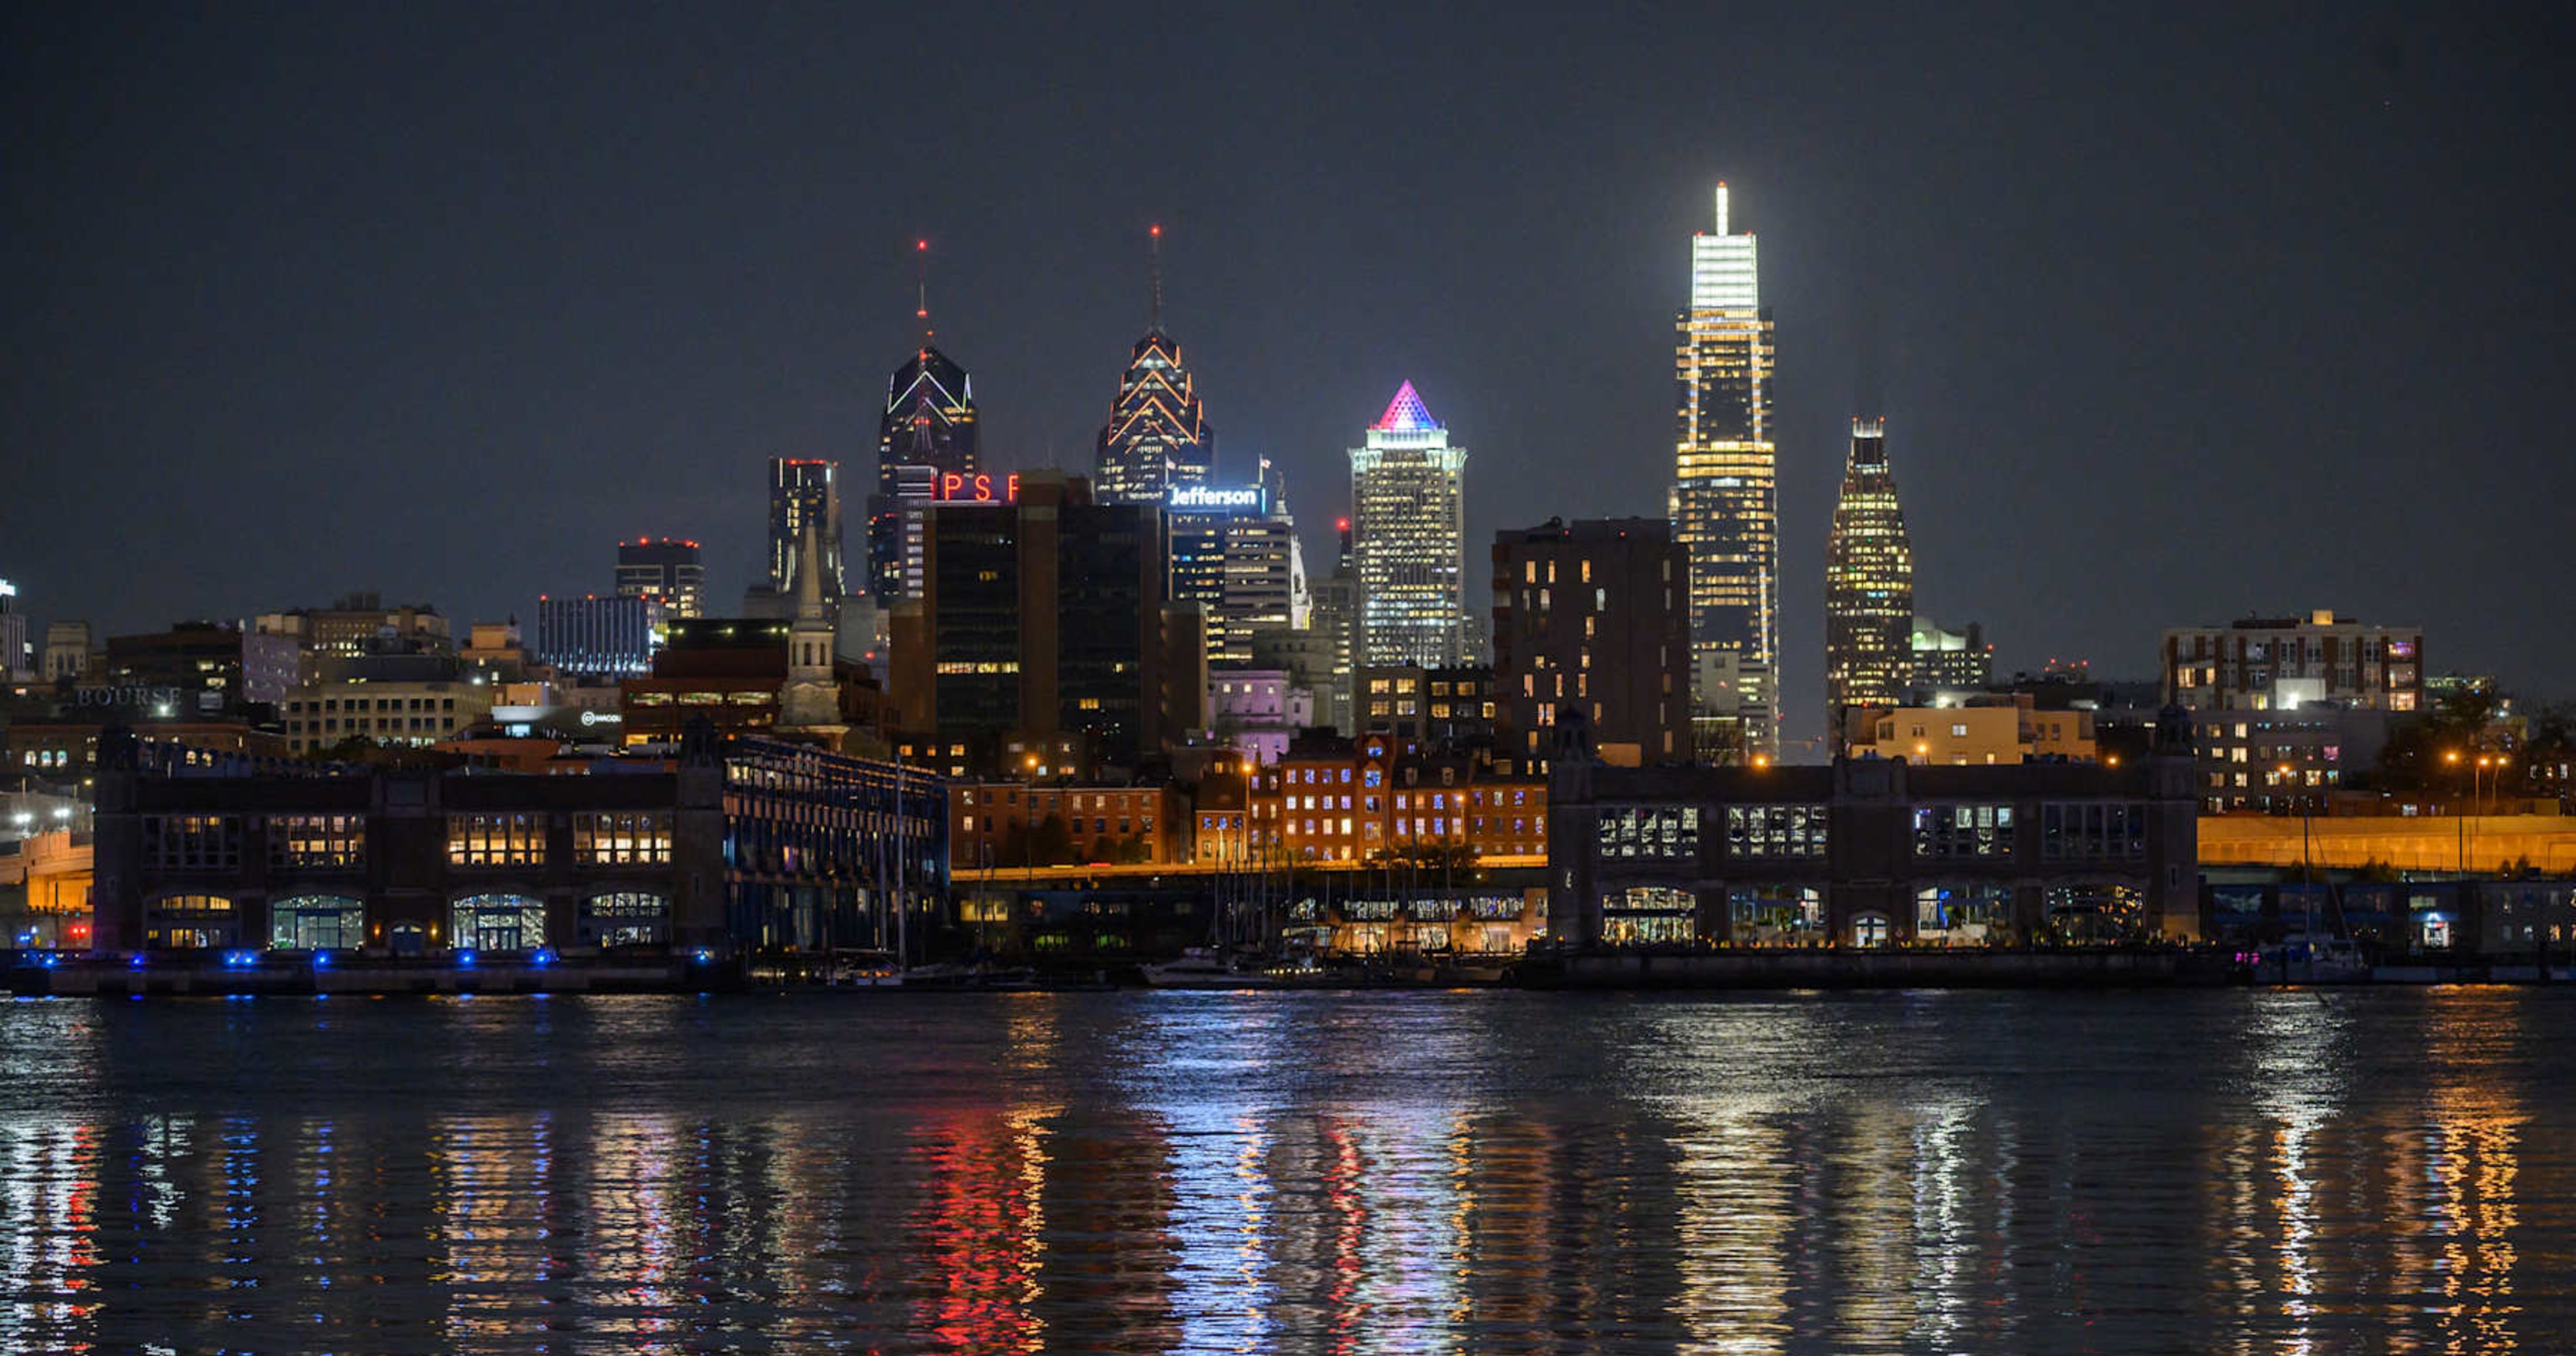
17,657
1951,660
1593,615
1235,554
1725,497
596,637
1869,582
667,570
204,668
803,490
1408,525
67,652
1048,616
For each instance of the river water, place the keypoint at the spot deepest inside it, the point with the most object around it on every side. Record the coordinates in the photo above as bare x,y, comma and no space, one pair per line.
1368,1172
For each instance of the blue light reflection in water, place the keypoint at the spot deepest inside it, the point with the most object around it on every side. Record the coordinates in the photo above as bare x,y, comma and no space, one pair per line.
1261,1172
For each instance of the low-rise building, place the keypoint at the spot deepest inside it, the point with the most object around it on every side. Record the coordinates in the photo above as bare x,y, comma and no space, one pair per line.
2284,663
1983,731
746,844
1330,799
999,825
1873,852
2282,761
406,700
1258,710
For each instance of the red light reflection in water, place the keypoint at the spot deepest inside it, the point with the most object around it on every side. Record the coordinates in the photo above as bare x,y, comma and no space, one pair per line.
980,1232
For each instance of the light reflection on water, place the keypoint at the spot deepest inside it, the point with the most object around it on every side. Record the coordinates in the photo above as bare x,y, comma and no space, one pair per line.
2277,1172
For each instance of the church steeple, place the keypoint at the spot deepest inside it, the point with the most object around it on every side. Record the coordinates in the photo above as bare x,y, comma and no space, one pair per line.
811,699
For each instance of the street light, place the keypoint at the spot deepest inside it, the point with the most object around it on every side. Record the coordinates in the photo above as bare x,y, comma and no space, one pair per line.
2485,761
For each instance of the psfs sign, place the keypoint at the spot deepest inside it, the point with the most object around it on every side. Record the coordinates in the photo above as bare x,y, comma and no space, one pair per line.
957,488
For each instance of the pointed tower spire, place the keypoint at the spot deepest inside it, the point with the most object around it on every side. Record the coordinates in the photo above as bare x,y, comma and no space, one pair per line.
921,252
1721,207
1154,255
809,574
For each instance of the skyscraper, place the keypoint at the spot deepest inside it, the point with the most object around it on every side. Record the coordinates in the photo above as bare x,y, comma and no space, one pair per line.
929,421
1725,501
667,569
1331,664
1157,438
1869,583
1409,526
1047,617
1233,551
803,489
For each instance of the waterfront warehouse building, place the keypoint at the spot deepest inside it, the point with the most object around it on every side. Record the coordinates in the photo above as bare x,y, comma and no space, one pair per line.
738,845
1872,852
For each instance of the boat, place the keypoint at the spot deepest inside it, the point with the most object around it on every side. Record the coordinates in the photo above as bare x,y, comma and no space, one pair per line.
1201,968
975,974
852,969
2313,958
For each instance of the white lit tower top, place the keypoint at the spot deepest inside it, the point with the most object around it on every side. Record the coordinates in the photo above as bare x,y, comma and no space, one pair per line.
1724,274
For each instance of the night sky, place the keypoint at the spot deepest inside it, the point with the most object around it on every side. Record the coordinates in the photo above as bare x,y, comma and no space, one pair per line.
2172,321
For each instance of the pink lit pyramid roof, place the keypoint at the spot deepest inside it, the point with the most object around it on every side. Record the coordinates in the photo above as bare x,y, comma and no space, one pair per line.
1405,414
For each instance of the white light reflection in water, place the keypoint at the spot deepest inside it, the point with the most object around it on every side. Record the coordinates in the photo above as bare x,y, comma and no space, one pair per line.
1736,1176
1219,1226
1943,1246
2299,1053
1223,1211
1734,1189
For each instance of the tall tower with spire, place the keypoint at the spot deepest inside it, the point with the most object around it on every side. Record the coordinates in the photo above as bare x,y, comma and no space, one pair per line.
926,432
1157,437
811,699
1725,498
1408,535
1869,582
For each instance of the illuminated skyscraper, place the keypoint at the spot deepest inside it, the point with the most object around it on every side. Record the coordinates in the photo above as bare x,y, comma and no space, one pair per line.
803,489
929,421
1725,501
1408,525
1157,438
1869,583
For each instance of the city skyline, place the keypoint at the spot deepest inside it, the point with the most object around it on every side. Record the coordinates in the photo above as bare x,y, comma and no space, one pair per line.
2136,322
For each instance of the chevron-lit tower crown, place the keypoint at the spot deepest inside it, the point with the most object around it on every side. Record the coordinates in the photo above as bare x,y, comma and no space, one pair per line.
926,431
1725,498
1157,437
1869,582
1408,534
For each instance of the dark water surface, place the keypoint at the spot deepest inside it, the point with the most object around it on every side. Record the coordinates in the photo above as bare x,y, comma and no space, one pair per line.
1489,1172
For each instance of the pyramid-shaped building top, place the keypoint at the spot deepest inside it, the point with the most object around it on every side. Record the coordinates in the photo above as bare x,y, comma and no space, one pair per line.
1405,414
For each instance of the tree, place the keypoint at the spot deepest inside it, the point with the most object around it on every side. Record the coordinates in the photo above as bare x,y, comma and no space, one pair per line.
2415,756
1051,843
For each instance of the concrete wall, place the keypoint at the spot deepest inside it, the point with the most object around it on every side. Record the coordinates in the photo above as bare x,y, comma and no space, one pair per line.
2412,843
